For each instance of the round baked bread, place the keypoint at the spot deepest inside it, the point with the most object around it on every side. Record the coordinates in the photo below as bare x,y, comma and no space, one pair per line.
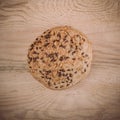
60,57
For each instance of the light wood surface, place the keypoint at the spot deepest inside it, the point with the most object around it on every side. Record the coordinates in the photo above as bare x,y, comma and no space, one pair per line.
95,98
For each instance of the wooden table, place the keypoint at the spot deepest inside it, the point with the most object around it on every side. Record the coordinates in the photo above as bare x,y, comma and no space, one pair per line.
95,98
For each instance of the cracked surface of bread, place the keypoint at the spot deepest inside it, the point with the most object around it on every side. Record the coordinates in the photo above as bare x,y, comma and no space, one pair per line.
60,57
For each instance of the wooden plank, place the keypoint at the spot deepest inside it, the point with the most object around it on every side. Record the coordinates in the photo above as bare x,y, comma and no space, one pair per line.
95,98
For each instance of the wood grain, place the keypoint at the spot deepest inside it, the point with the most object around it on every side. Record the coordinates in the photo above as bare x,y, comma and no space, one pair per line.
95,98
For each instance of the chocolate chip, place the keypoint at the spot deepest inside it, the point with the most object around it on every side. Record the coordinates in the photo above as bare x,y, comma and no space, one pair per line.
83,39
69,51
49,32
66,58
52,60
36,38
53,46
55,41
30,59
29,62
76,47
59,35
49,83
70,75
47,77
63,58
46,44
65,40
44,32
82,53
41,58
47,36
70,81
73,58
56,54
75,72
67,84
31,47
86,55
68,69
34,52
53,33
66,74
34,59
53,56
73,52
39,41
68,78
49,65
62,70
48,72
62,46
59,74
61,86
71,40
63,74
65,36
43,61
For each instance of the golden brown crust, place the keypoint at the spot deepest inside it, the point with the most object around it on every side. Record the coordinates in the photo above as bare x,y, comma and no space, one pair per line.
60,57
